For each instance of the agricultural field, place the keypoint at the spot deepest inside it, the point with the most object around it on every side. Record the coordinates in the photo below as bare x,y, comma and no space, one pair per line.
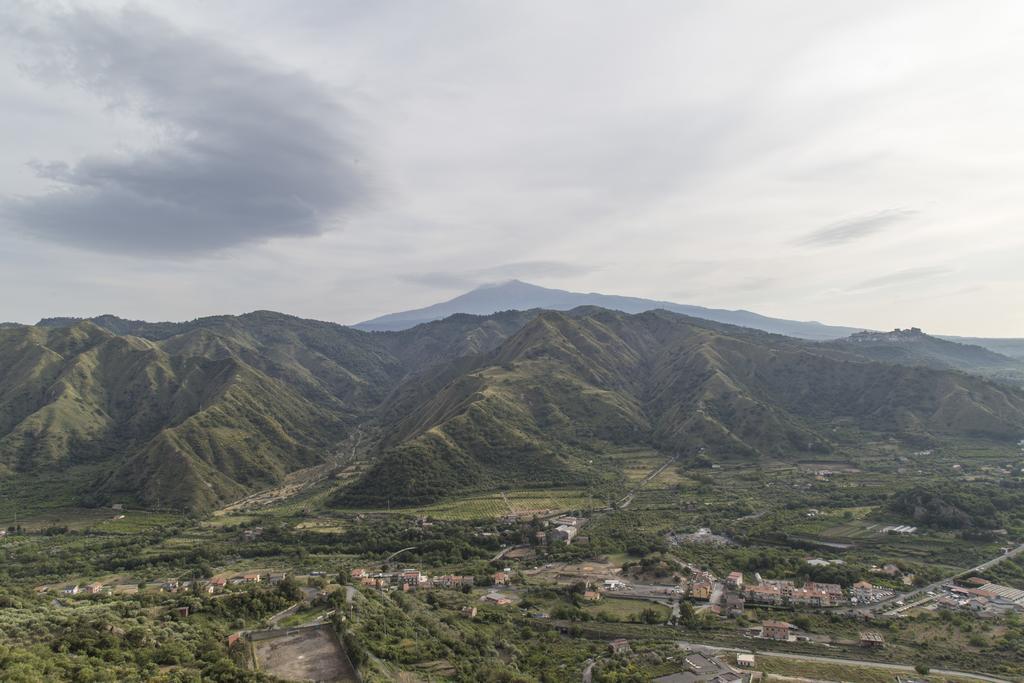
523,503
780,669
626,610
103,520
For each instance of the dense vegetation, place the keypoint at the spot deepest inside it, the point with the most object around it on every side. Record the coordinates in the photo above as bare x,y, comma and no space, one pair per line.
191,415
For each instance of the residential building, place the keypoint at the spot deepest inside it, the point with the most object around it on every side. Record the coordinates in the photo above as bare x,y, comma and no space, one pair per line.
734,580
592,596
619,646
502,578
871,639
775,630
701,589
564,533
93,588
745,661
734,604
497,599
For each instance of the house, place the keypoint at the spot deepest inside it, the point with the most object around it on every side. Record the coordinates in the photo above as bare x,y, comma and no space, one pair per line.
775,630
497,599
252,577
469,612
502,578
765,594
252,534
170,585
564,533
540,537
701,590
734,580
94,588
218,582
569,520
277,578
359,573
734,604
592,596
863,591
70,590
182,611
871,639
234,638
619,646
452,581
745,661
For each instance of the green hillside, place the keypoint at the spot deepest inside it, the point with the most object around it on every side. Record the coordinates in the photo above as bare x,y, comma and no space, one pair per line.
572,384
192,415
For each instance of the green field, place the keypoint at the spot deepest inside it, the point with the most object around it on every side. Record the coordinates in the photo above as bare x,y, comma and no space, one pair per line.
523,503
625,610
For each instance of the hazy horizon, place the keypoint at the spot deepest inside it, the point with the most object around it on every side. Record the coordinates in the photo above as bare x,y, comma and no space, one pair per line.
855,164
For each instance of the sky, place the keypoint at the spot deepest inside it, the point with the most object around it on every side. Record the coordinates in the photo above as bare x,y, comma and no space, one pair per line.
852,162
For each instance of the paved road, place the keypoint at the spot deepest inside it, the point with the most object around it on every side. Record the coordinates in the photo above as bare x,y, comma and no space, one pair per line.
914,594
714,649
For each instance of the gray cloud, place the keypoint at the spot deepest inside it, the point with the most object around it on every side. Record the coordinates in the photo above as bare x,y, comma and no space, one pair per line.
901,277
506,271
247,152
848,231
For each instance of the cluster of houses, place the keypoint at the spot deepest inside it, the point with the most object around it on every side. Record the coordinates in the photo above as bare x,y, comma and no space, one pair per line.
211,586
786,593
566,529
414,579
783,631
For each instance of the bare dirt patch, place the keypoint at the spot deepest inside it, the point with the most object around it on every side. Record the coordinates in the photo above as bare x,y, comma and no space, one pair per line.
310,654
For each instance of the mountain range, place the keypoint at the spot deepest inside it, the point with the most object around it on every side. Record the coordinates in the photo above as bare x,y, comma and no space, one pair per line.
522,296
195,414
517,295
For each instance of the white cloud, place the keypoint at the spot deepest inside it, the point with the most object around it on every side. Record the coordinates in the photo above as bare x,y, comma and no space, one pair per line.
777,144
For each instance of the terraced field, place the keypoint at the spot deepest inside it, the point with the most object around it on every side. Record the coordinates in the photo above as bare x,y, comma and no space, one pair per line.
524,503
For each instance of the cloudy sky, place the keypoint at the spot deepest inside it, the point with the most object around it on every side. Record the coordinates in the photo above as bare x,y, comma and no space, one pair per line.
856,162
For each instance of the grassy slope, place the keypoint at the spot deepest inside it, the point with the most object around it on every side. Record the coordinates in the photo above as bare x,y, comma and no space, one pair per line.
567,384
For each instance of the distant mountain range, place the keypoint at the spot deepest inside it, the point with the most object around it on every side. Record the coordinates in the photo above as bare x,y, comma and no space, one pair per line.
522,296
192,415
517,295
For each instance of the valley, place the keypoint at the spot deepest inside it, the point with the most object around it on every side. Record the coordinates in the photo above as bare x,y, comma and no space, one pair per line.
504,498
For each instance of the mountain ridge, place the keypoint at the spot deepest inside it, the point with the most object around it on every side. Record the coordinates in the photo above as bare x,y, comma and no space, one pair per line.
192,415
518,295
569,385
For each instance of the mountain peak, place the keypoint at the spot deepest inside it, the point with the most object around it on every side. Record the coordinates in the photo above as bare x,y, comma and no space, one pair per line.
523,296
